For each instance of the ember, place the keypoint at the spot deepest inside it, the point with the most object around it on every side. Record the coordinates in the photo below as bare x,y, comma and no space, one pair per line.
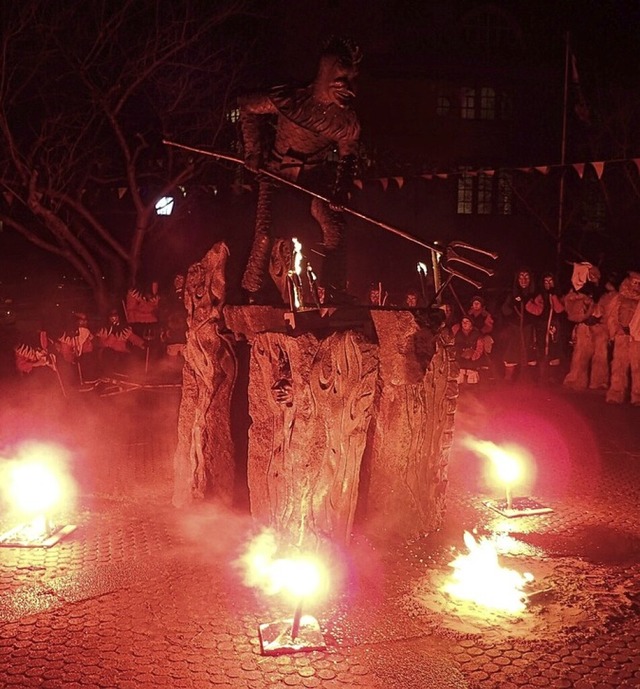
479,578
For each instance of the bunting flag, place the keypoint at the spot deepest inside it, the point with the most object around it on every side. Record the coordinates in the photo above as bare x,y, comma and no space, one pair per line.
121,192
580,168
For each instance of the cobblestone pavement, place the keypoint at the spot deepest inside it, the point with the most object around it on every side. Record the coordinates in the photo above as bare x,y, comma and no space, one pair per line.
141,595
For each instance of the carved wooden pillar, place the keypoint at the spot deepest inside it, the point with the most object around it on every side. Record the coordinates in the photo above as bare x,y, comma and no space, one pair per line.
204,459
310,402
413,428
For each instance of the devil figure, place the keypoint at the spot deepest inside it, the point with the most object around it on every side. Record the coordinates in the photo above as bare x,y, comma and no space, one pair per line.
311,124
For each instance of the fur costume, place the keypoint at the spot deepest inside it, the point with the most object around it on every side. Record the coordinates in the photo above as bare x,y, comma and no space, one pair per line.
623,322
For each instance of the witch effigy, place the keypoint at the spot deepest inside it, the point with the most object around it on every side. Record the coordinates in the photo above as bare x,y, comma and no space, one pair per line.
311,123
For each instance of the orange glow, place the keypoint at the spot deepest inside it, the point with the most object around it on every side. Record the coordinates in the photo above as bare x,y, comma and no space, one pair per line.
297,577
508,463
36,482
478,577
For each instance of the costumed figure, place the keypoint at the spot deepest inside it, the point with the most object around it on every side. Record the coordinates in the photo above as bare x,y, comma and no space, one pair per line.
521,310
467,342
311,123
623,322
550,329
589,366
75,347
115,340
141,310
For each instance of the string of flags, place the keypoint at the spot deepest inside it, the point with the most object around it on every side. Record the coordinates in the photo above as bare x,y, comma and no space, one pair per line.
598,167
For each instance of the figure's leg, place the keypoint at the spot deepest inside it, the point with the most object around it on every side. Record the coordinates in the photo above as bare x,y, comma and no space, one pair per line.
619,370
578,376
600,362
256,269
332,224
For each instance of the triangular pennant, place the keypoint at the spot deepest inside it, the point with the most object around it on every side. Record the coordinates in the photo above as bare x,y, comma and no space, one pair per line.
637,162
385,183
8,197
399,181
579,168
358,183
599,168
121,192
442,175
544,169
488,173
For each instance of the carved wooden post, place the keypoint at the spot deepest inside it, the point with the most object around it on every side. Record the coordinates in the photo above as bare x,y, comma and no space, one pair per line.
413,428
204,457
310,403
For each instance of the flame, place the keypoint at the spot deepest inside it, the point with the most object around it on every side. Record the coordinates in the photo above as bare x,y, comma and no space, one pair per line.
478,577
297,577
36,482
508,463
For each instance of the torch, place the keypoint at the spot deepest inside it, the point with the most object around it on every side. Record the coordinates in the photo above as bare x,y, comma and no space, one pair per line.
509,468
35,487
298,579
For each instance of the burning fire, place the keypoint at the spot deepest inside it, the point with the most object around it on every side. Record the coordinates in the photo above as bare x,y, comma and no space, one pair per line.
34,481
297,578
478,577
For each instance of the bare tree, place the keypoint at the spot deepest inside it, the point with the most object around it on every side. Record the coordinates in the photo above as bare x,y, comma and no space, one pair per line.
87,92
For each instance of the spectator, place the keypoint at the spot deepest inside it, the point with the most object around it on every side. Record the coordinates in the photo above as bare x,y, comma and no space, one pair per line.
550,330
521,309
467,342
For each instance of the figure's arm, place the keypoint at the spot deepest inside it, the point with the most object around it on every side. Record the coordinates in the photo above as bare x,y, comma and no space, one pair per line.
253,109
535,306
347,164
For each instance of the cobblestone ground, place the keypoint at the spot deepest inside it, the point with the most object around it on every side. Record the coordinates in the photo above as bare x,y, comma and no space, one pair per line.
141,595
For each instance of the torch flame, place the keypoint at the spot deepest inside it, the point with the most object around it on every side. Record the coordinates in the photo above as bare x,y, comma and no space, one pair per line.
508,464
298,577
36,482
478,577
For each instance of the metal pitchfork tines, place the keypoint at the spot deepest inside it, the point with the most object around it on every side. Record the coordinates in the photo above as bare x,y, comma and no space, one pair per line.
451,256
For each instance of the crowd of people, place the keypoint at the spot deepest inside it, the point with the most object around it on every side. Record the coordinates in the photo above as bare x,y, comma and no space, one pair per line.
144,328
587,337
584,337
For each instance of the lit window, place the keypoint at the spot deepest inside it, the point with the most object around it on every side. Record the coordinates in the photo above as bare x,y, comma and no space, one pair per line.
487,103
233,115
484,194
465,193
505,193
443,106
468,103
164,206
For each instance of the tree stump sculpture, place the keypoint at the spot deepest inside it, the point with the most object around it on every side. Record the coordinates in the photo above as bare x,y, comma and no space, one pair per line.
335,396
204,462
